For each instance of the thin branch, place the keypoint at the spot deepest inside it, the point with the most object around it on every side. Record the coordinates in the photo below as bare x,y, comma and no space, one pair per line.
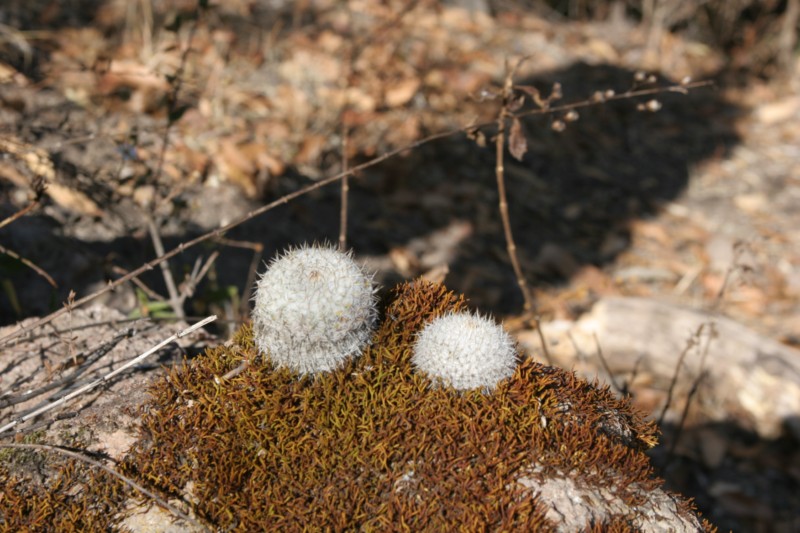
30,264
344,193
682,88
500,140
21,213
128,481
511,247
684,416
88,357
217,233
38,186
108,376
175,300
258,250
355,51
197,275
691,342
606,367
153,295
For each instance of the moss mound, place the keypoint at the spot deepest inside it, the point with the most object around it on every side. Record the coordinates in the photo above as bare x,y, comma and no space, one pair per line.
376,446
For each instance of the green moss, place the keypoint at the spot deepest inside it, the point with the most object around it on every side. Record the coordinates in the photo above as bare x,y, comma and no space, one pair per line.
374,445
21,459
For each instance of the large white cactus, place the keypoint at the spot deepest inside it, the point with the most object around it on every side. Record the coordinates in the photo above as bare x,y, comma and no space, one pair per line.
314,308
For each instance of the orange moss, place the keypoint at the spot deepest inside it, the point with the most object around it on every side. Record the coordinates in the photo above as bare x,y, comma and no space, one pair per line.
374,445
76,499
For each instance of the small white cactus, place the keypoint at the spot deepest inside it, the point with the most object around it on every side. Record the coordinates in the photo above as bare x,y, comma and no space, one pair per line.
465,351
314,308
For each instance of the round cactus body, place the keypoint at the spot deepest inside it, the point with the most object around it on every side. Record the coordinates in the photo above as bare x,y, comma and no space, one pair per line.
465,351
314,308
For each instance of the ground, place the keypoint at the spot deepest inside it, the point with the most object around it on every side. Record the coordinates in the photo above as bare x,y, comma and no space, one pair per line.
174,121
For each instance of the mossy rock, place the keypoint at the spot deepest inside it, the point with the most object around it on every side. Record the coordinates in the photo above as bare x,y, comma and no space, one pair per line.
378,446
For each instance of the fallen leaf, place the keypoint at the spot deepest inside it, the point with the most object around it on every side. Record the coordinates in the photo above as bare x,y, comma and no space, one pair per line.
73,200
517,144
402,92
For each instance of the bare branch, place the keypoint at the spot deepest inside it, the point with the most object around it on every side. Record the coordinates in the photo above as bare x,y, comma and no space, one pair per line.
197,275
175,299
22,212
30,264
93,384
153,295
258,250
500,139
344,194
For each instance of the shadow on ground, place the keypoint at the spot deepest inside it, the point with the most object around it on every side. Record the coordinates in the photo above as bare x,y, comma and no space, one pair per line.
571,198
740,481
571,201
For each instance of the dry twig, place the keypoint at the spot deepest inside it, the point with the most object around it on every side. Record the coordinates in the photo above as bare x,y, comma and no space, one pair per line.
108,376
500,139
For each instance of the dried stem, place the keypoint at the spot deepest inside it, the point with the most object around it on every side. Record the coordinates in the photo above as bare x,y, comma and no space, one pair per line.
88,358
22,212
620,389
128,481
30,264
153,295
502,119
217,233
198,273
684,416
39,186
175,299
354,53
345,192
258,250
690,343
500,140
108,376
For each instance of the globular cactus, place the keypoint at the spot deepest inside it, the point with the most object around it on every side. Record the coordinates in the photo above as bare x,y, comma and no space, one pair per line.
314,308
465,351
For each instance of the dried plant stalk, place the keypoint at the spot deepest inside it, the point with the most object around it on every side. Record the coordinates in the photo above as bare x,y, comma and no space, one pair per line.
138,359
500,139
345,193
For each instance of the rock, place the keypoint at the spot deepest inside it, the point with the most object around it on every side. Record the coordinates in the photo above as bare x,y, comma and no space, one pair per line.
748,374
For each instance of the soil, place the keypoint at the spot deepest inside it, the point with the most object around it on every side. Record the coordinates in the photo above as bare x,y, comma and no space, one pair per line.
189,118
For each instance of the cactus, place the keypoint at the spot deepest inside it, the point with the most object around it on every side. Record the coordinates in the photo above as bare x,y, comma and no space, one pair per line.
465,351
314,308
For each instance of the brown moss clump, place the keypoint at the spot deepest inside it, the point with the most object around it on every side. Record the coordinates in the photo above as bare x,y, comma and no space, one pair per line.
374,445
76,498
